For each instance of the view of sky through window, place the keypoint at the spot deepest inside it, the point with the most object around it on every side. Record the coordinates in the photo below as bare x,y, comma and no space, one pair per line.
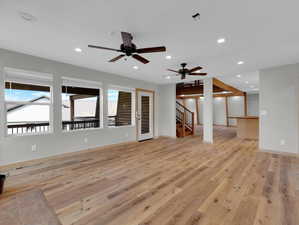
23,95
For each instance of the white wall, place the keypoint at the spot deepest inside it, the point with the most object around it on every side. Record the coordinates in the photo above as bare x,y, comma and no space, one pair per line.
235,108
191,105
279,110
253,105
219,117
16,149
167,110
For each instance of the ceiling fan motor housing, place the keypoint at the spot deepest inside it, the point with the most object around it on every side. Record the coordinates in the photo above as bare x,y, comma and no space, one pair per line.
128,50
184,65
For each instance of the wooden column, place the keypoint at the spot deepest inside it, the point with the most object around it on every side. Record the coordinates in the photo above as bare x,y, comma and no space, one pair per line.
197,110
193,124
226,111
183,124
72,105
97,113
184,102
245,104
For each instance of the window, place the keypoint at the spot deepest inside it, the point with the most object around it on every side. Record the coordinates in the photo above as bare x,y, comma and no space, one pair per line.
80,106
120,107
28,102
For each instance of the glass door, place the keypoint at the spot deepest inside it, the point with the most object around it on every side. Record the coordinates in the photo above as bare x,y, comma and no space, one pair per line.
145,117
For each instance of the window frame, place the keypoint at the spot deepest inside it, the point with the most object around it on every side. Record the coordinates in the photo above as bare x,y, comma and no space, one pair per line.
27,77
133,104
74,82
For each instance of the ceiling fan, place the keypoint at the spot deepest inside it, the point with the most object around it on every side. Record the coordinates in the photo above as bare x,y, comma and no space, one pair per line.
127,48
184,71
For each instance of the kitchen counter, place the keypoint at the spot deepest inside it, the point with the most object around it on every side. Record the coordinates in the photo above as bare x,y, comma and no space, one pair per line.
247,127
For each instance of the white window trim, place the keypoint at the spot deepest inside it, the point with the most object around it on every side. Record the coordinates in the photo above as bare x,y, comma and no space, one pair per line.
133,96
74,82
27,77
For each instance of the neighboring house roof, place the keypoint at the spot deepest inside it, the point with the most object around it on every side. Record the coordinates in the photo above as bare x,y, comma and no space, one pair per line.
33,100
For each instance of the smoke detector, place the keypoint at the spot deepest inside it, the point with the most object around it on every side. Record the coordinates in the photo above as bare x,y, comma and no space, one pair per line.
27,17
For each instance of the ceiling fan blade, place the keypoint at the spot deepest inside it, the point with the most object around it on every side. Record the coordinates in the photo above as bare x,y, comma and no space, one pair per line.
99,47
195,69
127,39
140,58
173,71
116,58
198,74
150,50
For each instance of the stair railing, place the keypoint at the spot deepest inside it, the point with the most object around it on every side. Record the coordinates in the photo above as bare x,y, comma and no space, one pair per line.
185,117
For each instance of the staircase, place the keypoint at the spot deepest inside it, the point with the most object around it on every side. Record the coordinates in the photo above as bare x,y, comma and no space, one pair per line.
184,121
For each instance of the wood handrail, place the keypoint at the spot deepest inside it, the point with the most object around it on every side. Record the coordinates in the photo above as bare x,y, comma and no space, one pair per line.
184,107
186,118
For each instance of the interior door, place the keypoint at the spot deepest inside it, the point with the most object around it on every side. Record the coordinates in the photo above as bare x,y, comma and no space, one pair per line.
145,115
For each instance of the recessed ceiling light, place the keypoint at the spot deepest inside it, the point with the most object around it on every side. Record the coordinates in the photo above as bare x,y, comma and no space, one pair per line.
167,77
183,95
78,50
239,76
168,57
27,17
240,62
221,40
135,67
247,82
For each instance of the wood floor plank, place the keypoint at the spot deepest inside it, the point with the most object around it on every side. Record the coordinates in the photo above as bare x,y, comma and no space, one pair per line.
164,182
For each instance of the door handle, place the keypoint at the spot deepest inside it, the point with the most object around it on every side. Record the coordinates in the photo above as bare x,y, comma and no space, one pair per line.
138,117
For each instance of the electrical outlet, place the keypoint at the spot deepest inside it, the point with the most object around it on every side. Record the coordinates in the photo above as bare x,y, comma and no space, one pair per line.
85,140
282,142
33,148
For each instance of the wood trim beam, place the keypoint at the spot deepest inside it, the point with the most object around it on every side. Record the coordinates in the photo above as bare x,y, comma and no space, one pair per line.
227,87
193,90
76,97
215,95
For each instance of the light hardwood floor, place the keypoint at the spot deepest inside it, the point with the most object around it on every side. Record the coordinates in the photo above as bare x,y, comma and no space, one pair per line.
168,182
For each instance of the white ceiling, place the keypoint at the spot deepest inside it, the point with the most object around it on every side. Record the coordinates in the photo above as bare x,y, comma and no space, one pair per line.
261,33
248,82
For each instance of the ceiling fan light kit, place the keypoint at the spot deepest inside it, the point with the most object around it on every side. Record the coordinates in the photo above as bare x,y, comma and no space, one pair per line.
128,48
